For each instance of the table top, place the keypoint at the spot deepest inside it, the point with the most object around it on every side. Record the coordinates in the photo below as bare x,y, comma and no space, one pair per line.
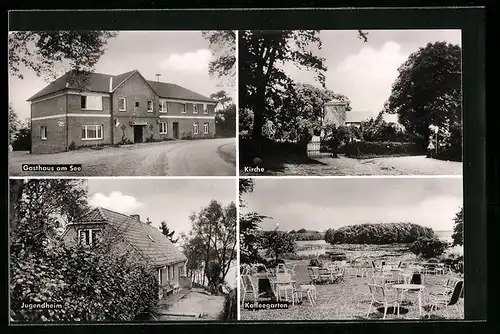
397,269
409,286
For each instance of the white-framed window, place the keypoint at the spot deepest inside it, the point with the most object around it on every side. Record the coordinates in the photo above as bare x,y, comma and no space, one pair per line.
91,102
163,106
195,128
88,236
122,104
205,109
195,108
149,105
43,132
184,110
91,132
163,128
205,128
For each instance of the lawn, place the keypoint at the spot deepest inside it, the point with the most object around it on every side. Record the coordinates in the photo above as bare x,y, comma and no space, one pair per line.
350,299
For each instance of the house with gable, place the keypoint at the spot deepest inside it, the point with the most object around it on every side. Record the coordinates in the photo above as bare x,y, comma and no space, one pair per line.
140,240
87,109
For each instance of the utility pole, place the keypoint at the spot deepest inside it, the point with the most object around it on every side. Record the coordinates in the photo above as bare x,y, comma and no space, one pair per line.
158,75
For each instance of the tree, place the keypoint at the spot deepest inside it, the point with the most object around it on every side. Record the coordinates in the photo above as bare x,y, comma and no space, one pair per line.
277,243
222,98
249,227
428,89
166,232
14,124
302,230
40,206
263,82
22,138
42,51
458,228
222,43
215,226
300,114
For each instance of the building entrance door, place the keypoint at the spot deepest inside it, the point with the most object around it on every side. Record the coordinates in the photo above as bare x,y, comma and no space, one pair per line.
138,132
175,128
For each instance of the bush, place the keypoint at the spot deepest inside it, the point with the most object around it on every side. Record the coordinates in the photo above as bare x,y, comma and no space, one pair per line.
72,146
273,263
365,149
379,234
91,285
230,310
428,247
22,140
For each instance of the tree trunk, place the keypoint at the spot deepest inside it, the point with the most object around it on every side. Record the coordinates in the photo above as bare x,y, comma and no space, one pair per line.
258,120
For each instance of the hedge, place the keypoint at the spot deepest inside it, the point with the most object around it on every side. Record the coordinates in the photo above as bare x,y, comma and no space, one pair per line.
249,150
365,149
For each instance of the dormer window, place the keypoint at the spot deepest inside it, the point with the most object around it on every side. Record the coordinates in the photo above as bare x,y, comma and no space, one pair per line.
88,237
150,238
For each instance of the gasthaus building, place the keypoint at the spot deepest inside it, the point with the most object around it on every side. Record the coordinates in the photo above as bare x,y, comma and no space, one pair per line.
88,109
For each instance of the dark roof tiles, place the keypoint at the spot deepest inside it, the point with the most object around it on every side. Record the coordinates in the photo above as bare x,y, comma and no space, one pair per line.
98,82
146,239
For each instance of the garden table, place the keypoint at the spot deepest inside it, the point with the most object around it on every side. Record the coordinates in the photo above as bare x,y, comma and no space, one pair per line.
405,287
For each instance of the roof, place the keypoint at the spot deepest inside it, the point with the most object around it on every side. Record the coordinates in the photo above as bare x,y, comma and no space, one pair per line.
363,116
173,91
99,82
159,250
359,116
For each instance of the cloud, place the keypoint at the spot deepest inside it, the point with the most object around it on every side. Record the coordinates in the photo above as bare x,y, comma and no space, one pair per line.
116,201
368,75
190,62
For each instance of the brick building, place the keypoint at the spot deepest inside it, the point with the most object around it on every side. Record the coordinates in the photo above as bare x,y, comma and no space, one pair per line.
87,109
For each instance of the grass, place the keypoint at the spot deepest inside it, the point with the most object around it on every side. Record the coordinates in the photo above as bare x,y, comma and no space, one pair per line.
350,299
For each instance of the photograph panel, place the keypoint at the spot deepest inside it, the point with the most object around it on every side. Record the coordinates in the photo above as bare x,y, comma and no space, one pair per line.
350,102
122,250
122,103
358,249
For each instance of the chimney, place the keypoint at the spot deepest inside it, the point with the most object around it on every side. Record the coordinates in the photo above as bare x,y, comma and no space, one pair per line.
136,217
110,84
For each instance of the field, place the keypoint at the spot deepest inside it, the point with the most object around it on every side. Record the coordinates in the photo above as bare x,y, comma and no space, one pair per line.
350,299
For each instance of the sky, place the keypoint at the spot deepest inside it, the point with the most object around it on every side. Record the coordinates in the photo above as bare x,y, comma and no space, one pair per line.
322,203
365,72
181,57
169,200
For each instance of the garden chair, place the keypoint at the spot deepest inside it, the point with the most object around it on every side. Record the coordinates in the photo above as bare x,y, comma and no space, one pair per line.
379,296
284,286
384,281
376,269
317,277
448,287
338,276
249,288
449,299
300,290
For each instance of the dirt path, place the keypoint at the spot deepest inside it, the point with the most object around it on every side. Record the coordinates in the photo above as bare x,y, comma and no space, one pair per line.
192,158
196,303
343,166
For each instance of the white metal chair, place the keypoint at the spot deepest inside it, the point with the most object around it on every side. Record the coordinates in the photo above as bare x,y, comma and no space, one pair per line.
447,299
249,288
379,296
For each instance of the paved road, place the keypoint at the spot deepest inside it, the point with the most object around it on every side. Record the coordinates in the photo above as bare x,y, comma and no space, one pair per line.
175,158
